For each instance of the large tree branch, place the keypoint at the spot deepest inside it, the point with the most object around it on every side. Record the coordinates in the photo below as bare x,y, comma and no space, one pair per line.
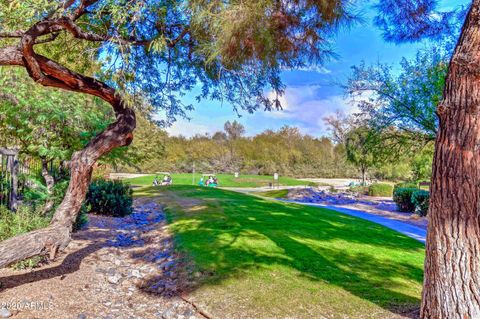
182,35
12,34
69,25
11,55
50,73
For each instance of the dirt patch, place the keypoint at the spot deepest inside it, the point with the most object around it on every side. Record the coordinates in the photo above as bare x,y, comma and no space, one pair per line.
115,268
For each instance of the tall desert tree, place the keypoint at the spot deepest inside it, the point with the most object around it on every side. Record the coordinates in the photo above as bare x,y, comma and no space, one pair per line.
453,242
234,131
154,51
362,145
451,277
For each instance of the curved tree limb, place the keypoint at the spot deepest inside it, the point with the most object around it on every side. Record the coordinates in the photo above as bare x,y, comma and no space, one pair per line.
49,73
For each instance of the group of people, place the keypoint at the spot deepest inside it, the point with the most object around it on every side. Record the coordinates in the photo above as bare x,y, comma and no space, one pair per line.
167,180
212,181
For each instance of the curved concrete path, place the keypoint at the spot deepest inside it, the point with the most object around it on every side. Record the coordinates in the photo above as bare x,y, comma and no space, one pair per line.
401,227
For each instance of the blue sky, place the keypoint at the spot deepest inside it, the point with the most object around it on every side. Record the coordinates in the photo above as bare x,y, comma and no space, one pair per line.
311,94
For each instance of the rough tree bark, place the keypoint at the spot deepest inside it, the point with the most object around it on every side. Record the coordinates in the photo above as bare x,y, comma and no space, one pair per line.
49,182
452,265
49,73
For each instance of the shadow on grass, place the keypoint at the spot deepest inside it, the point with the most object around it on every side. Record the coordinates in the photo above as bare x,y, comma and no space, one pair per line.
235,232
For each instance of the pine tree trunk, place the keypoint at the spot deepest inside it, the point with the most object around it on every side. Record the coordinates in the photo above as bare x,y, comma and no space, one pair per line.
452,265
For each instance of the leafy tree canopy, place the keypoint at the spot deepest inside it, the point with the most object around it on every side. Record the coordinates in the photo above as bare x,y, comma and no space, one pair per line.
407,100
413,20
160,49
49,124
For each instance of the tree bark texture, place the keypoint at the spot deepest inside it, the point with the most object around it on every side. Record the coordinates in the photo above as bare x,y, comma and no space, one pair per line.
49,183
120,133
452,265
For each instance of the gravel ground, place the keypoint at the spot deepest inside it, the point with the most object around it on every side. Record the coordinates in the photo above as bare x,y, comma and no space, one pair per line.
115,268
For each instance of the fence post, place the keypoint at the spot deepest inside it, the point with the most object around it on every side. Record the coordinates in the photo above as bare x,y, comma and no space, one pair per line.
11,172
13,194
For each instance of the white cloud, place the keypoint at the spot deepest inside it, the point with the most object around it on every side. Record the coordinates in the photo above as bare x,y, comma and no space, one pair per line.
302,106
188,128
317,68
311,68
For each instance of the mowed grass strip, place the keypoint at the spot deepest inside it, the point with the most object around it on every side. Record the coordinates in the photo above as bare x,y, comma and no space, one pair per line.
264,259
225,180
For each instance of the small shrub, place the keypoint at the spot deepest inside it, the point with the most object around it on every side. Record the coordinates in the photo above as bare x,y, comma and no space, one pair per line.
111,198
363,190
405,185
403,198
25,219
420,200
379,189
30,263
34,193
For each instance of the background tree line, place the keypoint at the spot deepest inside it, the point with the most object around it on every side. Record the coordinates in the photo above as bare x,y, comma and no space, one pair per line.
286,151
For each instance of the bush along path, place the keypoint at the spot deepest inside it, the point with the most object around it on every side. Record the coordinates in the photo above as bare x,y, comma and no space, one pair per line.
115,268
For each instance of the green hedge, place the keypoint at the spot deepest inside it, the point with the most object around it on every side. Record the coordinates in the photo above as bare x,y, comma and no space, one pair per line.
420,199
111,198
405,185
403,198
380,189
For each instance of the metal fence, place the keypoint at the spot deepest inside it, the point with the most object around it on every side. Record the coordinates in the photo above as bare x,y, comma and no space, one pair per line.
17,174
8,178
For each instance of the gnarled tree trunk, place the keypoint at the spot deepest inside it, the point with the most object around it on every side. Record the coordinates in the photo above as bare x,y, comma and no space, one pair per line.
452,265
49,73
49,183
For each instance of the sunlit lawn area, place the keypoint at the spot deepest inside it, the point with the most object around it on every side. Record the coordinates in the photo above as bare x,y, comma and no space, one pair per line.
265,259
225,180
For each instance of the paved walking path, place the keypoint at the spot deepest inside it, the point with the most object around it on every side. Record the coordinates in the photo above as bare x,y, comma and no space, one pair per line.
401,227
261,188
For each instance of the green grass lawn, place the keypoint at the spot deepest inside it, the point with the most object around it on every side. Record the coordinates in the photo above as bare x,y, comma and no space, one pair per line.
258,258
225,180
277,193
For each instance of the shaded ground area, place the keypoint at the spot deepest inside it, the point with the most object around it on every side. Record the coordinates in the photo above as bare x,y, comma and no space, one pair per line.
231,256
116,268
262,259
